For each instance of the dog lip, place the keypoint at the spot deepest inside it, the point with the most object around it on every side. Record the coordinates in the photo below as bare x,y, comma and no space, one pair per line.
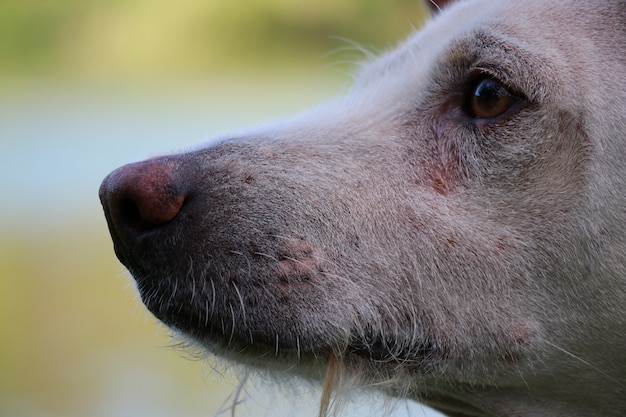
380,350
443,402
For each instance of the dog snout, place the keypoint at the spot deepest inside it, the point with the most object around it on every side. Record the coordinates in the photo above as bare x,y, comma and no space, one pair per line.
141,197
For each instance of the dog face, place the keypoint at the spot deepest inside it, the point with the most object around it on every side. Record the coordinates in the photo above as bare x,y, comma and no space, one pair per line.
455,223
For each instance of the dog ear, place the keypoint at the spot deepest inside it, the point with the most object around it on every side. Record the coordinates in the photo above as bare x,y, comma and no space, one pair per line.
437,5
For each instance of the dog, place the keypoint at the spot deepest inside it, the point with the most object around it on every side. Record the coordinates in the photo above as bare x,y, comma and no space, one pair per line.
452,230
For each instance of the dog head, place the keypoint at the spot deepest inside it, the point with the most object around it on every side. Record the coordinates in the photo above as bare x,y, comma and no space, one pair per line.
456,222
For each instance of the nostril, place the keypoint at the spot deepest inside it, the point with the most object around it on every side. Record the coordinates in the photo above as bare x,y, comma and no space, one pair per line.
143,215
128,210
139,197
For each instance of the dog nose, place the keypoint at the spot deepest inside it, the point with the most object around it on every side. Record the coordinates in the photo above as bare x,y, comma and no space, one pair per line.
140,197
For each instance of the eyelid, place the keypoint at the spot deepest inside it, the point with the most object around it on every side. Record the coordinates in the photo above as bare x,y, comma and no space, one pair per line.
496,74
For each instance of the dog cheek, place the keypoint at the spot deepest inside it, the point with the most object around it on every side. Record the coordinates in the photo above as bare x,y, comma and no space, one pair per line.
440,155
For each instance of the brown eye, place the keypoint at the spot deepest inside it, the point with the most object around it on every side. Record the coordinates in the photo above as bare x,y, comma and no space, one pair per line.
489,99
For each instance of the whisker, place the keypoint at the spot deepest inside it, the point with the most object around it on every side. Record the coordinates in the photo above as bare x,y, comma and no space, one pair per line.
232,330
584,362
266,255
241,303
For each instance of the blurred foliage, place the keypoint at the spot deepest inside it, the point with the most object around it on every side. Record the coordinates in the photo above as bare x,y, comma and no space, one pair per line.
128,38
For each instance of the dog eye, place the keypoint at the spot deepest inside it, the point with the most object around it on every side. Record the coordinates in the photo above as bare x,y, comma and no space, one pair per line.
489,99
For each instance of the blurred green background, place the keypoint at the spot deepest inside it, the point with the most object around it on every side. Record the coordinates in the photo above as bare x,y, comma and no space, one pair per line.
88,85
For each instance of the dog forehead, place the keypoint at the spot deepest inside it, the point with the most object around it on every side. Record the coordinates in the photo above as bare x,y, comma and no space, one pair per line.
409,66
552,31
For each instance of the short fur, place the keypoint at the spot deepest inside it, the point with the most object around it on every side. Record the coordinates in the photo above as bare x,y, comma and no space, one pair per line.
479,263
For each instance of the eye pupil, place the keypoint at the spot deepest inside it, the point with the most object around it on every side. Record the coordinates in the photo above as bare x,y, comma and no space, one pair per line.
490,99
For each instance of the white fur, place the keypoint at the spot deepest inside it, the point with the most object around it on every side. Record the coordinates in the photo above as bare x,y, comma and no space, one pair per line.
475,265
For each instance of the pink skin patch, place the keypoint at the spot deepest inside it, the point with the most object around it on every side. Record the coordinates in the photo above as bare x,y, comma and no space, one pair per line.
300,262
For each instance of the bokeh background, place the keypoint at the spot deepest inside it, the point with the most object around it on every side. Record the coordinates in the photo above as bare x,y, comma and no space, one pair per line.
88,85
